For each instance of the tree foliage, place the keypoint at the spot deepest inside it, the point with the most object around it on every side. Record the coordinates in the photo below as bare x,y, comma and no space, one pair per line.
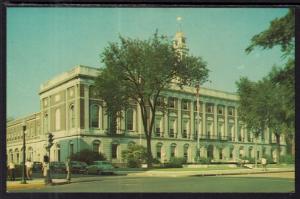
135,155
139,70
280,32
271,101
87,156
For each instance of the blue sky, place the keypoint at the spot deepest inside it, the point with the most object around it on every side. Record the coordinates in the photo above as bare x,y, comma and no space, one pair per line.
44,42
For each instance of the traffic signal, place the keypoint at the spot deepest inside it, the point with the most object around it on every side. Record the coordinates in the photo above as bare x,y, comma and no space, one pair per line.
50,140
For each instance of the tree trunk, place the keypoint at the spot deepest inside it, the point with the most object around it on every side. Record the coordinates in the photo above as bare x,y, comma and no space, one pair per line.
278,148
149,152
255,152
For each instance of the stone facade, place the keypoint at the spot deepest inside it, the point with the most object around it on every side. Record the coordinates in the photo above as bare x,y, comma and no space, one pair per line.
76,117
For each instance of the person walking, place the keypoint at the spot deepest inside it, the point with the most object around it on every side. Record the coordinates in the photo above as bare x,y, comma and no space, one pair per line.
45,172
11,167
29,166
264,163
68,169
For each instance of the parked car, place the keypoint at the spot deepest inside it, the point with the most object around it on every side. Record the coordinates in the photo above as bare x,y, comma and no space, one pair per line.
78,167
58,167
100,167
37,167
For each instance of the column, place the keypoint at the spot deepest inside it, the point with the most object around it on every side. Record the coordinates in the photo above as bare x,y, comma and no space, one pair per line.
86,107
226,122
179,130
77,108
204,119
192,130
49,116
215,134
67,110
235,124
166,120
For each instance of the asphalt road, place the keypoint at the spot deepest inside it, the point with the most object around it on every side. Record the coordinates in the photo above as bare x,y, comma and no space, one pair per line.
245,183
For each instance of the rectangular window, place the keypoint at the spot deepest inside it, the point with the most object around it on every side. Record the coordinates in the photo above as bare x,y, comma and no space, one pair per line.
171,102
184,133
171,133
230,111
209,109
220,110
157,131
184,105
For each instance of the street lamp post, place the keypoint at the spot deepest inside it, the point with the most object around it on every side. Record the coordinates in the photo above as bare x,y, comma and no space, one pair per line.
198,129
23,181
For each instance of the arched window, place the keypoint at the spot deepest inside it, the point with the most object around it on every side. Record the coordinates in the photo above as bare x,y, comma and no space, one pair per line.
71,148
11,155
96,146
94,116
45,125
71,116
172,126
57,119
129,119
17,156
158,150
30,154
114,150
185,129
186,151
173,150
241,152
250,152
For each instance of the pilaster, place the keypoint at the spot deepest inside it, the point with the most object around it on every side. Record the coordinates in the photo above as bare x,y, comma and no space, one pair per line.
179,123
86,108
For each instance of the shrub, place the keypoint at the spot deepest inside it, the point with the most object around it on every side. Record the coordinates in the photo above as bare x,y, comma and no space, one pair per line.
288,159
155,161
176,162
87,156
203,160
135,155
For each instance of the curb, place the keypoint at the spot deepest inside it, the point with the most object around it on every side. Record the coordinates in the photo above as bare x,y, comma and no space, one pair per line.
246,173
205,174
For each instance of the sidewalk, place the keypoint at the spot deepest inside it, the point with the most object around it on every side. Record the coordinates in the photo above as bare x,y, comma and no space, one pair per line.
158,173
35,183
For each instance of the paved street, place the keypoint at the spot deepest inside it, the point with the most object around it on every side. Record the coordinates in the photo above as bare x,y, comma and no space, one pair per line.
272,182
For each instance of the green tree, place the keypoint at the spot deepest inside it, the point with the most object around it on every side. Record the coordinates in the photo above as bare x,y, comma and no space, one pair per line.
141,69
254,106
135,155
281,113
280,32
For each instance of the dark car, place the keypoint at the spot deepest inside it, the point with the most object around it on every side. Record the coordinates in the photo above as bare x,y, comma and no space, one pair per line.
37,167
78,167
58,167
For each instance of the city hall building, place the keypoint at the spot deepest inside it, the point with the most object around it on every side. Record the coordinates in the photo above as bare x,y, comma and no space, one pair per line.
76,116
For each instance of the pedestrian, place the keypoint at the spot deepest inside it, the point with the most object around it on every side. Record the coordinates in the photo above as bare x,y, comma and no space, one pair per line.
12,168
29,166
45,171
264,163
68,169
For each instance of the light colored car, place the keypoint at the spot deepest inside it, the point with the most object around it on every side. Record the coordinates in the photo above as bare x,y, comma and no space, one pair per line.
100,167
